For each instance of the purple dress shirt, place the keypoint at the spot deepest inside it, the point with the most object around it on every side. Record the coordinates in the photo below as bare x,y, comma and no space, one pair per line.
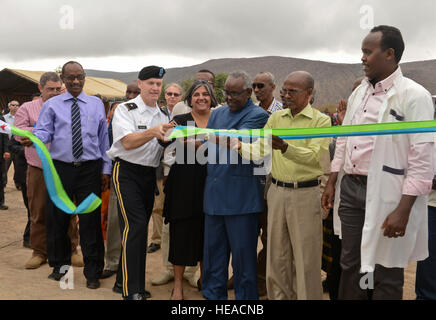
54,125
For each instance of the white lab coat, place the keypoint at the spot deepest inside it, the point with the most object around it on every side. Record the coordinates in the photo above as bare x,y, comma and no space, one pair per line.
384,188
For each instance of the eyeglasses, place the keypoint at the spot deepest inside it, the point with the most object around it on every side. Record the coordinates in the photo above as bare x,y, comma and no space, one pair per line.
259,85
79,77
170,94
232,94
291,92
14,105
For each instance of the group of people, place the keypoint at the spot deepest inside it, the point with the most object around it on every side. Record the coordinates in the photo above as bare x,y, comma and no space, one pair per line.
217,195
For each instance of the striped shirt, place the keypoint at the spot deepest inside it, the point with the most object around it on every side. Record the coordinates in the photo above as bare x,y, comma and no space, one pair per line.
275,106
25,119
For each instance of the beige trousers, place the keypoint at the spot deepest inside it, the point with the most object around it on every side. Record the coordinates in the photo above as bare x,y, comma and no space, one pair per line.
293,269
156,215
113,235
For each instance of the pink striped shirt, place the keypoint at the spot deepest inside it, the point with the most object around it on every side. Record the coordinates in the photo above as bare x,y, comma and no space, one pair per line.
358,150
25,119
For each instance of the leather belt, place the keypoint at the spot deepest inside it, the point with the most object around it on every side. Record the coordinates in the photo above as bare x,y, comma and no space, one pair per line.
296,185
76,164
359,178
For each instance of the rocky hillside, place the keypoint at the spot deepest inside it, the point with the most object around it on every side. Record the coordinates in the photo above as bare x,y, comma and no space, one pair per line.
332,80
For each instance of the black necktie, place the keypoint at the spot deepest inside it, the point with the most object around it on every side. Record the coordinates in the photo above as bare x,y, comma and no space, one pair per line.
76,130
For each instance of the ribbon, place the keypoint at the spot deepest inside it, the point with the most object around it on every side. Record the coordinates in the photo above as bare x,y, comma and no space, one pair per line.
53,183
385,128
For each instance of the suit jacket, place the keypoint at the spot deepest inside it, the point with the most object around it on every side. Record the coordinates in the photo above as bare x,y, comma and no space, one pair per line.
232,188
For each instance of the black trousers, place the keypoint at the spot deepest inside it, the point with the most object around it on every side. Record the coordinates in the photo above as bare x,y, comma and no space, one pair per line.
134,186
7,165
19,164
20,167
78,183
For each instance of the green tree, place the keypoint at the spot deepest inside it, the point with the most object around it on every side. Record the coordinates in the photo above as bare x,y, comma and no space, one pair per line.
220,80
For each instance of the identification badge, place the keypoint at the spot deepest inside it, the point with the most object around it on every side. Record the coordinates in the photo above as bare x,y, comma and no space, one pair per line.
142,127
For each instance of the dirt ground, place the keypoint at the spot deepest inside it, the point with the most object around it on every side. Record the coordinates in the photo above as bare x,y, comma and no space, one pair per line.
17,283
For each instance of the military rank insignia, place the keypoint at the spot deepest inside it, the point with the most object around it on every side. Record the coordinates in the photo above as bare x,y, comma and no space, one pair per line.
131,106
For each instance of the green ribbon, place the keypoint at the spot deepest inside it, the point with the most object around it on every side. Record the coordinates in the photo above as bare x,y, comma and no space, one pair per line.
53,183
310,133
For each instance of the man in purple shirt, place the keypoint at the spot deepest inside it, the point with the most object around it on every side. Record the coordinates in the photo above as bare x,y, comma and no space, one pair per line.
75,125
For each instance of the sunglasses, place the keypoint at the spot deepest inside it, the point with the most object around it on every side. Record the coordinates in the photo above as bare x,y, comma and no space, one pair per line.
14,105
291,92
170,94
259,85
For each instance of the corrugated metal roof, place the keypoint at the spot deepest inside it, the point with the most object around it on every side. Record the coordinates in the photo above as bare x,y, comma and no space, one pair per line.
107,88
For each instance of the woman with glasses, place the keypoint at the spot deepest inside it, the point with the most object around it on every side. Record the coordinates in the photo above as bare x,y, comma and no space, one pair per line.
183,207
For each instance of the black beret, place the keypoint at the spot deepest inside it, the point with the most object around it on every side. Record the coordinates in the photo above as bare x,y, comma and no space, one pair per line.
151,72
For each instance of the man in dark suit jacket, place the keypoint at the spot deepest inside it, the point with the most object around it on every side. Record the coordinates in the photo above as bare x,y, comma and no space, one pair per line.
233,199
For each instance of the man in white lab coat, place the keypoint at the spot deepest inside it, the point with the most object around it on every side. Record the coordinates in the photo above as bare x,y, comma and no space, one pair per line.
381,182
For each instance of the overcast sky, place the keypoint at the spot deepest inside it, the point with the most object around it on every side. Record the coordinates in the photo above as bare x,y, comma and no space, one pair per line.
127,35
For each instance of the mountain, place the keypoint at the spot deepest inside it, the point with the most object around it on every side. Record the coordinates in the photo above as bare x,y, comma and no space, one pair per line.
332,80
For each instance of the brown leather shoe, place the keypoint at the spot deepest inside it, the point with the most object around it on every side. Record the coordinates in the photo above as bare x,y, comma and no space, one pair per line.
35,262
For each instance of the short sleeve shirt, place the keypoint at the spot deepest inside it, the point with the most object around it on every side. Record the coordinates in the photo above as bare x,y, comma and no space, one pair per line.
131,117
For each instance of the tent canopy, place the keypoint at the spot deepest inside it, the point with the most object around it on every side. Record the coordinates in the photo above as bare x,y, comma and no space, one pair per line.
19,85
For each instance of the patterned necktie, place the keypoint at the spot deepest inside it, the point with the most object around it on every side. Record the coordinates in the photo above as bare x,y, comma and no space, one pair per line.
76,130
